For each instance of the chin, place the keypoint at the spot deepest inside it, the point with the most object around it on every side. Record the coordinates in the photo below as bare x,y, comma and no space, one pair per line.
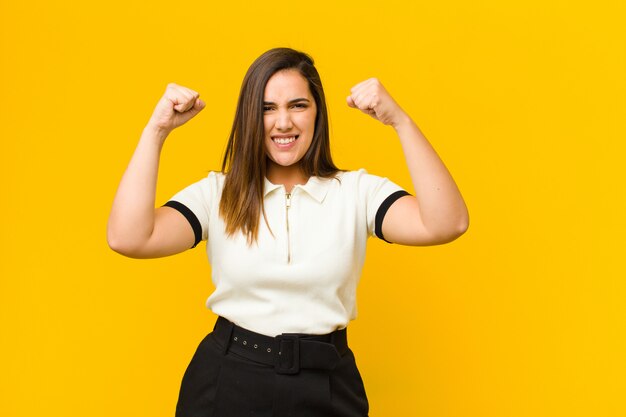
283,162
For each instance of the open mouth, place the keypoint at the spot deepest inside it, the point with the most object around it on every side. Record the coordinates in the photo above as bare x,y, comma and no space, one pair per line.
285,140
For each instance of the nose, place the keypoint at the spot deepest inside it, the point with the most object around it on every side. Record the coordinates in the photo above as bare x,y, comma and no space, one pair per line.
283,121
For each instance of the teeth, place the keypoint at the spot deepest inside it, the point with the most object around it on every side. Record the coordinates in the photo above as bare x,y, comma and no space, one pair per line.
284,141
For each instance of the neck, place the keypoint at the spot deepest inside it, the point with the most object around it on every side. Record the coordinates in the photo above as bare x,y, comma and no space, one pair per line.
287,176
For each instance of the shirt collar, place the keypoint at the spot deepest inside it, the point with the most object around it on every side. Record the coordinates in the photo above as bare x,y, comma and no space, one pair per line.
316,187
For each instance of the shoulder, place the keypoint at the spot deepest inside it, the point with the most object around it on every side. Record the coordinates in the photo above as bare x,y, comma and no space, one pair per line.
361,185
353,175
204,191
217,178
360,178
214,181
372,190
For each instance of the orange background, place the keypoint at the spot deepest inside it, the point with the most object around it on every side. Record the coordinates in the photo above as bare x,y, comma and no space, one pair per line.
524,101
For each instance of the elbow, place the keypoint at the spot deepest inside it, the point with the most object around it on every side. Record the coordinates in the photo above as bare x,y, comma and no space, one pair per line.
122,246
454,227
117,245
460,228
463,224
454,231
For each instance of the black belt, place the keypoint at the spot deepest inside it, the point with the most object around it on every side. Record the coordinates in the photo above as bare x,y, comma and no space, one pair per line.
288,352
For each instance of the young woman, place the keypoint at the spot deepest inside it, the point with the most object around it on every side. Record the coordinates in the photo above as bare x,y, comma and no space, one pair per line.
286,233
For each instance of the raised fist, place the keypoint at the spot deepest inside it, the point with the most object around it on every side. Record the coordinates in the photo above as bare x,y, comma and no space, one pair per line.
372,98
177,106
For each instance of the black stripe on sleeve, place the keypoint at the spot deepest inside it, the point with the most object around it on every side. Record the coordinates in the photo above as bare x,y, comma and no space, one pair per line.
382,210
191,218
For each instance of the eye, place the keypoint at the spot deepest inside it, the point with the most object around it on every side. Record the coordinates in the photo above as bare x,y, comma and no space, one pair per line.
300,106
267,108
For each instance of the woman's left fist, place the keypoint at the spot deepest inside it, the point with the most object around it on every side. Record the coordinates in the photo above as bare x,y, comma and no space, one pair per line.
371,98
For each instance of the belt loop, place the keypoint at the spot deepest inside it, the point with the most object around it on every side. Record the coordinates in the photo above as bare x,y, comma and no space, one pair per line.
227,332
339,338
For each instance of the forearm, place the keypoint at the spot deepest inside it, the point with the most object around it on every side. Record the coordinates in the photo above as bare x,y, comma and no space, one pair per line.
441,205
131,220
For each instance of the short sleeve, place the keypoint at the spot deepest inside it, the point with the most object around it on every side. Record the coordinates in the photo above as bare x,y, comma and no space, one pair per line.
194,202
377,194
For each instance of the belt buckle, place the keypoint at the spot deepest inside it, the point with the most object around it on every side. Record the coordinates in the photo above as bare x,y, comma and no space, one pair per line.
288,358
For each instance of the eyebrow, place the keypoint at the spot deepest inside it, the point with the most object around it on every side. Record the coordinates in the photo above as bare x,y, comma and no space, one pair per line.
295,100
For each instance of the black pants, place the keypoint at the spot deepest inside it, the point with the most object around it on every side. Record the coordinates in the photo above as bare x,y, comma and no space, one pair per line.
237,373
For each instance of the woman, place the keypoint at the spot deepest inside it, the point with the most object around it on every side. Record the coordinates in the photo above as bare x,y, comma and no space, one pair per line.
285,232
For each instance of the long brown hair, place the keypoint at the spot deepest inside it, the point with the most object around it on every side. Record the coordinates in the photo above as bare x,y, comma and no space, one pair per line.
245,160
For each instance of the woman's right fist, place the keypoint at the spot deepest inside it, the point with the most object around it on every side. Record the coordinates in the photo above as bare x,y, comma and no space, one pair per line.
177,106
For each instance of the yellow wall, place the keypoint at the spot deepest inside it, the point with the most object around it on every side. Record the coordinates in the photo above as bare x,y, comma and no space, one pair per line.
525,102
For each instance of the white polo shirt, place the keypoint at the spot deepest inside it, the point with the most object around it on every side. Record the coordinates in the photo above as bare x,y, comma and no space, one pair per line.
302,276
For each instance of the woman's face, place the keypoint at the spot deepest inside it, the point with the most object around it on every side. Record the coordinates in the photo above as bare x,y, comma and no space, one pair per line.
289,112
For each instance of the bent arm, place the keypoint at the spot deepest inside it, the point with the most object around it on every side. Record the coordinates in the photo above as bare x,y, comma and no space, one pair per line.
135,228
437,214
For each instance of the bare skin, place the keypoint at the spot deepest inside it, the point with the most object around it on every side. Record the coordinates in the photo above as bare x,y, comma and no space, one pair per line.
436,214
135,228
289,111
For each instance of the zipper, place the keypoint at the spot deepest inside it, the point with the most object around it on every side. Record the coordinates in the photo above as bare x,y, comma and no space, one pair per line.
288,204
